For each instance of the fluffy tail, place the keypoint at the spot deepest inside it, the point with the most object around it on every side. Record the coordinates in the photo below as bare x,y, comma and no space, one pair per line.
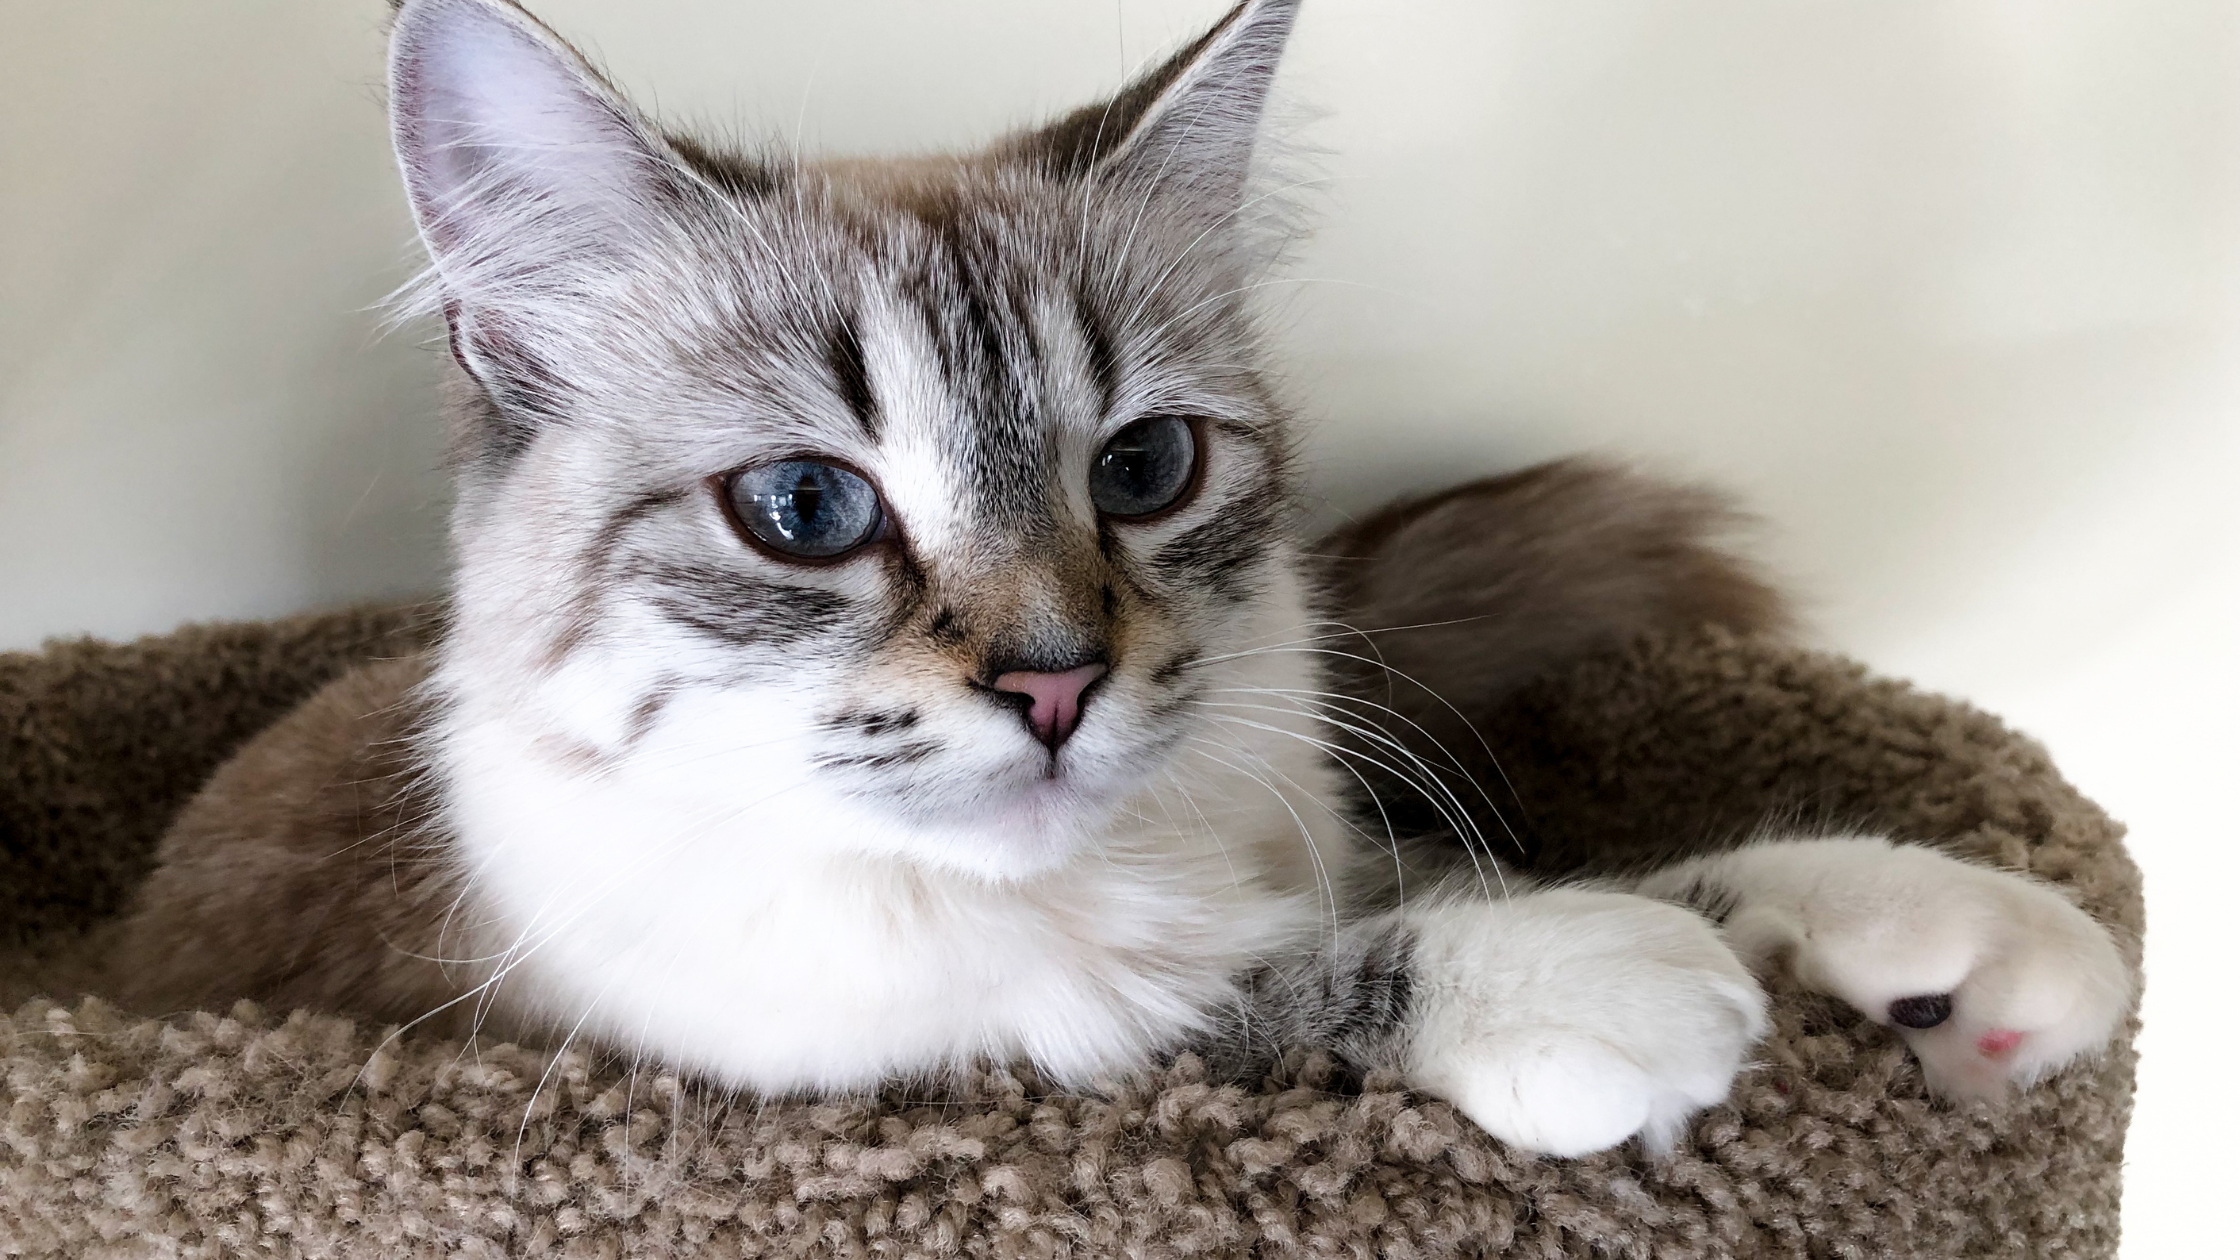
1465,595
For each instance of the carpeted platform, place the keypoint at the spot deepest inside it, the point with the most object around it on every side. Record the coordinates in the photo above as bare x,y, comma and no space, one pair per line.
250,1132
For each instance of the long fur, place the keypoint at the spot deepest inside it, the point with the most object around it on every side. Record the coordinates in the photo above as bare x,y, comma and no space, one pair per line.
777,823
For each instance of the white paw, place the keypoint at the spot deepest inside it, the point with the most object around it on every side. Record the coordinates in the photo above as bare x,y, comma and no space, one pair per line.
1567,1021
1990,977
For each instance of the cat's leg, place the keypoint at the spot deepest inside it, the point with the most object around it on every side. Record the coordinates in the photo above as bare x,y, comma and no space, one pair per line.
1560,1020
1991,978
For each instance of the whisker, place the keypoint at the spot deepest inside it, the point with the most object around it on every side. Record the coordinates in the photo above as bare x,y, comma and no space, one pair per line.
1323,881
1325,700
521,1134
1449,705
1459,820
1236,880
1431,785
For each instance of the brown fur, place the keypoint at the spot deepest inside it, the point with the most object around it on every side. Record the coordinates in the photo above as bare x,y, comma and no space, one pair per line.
306,873
1493,581
1459,597
94,764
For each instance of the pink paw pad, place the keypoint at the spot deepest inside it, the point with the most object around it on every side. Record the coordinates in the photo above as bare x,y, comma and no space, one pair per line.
1997,1042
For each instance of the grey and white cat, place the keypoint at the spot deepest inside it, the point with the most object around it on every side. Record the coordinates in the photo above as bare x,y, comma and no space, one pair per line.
877,647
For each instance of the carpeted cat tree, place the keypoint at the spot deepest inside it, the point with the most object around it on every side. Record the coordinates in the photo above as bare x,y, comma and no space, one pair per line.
224,1133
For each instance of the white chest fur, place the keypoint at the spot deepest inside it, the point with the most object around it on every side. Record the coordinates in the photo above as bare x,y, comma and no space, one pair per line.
731,920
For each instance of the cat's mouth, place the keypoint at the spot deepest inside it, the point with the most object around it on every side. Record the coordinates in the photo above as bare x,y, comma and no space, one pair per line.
1048,783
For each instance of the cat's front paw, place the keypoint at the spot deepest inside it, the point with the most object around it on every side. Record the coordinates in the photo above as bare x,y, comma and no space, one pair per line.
1991,978
1567,1021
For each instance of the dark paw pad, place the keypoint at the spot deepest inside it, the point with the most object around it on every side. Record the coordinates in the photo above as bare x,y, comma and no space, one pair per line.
1921,1012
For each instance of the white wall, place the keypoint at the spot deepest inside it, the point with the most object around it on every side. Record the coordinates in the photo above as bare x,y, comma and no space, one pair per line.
1950,291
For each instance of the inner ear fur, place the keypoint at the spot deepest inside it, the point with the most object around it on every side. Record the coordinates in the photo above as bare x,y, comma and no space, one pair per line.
1189,125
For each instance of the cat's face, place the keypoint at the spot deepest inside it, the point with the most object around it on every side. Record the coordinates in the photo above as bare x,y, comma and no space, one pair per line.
943,492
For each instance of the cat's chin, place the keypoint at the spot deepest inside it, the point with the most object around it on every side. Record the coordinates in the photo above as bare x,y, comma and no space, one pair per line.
1024,833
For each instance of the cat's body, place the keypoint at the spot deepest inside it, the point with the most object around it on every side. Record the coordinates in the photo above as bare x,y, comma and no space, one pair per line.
882,640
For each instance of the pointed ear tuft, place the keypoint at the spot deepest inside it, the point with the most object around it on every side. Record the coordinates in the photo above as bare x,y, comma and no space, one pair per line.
531,180
493,116
1188,128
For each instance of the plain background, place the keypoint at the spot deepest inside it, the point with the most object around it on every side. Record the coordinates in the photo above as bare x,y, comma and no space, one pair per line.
1949,292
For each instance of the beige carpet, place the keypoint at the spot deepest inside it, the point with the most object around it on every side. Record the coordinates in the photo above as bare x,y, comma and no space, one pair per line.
254,1133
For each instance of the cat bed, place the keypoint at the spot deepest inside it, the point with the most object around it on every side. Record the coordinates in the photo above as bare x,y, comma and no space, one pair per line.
250,1131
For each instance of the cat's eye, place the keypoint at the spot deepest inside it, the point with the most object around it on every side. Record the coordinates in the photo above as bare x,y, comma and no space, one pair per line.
804,508
1146,468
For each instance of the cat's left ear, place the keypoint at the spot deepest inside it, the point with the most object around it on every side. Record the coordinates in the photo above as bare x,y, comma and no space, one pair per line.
1185,132
533,181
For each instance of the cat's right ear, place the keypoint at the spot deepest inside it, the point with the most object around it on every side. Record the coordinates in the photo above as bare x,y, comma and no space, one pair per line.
532,181
1184,133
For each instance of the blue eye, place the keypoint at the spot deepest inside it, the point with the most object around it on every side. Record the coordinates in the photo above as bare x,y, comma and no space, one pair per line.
1145,468
804,508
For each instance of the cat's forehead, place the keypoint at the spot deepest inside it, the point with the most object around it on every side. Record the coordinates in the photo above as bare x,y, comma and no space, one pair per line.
981,351
972,340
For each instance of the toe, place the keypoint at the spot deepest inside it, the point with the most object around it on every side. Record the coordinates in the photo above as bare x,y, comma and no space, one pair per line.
1567,1100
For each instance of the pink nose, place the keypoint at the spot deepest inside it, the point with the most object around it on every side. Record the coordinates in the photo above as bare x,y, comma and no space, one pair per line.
1056,699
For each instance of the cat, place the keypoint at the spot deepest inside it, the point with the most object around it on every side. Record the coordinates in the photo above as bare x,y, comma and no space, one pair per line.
883,639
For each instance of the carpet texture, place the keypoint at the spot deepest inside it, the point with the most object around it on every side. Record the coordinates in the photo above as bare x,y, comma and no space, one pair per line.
253,1132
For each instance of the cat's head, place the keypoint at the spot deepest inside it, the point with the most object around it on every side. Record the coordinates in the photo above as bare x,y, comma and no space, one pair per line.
940,488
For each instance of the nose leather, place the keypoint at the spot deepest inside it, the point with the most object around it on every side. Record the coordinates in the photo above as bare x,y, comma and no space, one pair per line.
1054,700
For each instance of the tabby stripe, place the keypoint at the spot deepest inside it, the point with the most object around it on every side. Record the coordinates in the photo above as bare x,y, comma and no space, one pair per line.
850,376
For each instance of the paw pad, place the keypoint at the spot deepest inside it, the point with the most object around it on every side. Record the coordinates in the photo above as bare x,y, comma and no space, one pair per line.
1997,1042
1926,1011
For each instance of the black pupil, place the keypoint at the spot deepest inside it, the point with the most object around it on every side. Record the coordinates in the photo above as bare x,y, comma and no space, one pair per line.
1145,468
806,498
805,508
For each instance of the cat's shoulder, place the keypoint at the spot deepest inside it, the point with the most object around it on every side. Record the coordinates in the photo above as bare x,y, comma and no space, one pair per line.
310,869
338,768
